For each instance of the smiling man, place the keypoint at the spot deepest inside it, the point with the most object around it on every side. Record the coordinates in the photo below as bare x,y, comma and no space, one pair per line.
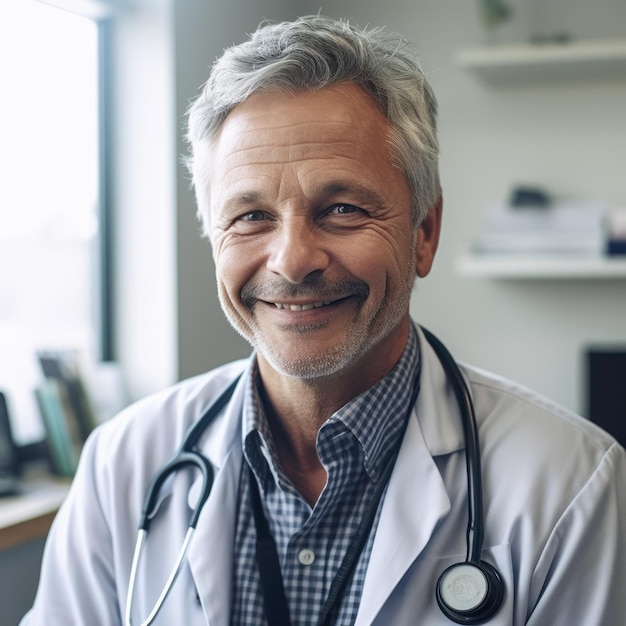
350,471
316,251
313,236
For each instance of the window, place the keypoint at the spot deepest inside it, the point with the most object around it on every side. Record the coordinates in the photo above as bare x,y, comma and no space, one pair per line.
50,265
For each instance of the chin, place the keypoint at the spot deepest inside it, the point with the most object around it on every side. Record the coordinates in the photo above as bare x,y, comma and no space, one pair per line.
311,367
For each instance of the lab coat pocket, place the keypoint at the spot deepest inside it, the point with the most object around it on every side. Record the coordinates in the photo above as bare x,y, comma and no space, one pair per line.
413,601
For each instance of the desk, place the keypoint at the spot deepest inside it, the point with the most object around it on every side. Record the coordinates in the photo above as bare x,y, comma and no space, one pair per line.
25,519
28,515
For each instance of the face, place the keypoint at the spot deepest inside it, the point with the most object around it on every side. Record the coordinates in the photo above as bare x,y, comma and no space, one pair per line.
312,236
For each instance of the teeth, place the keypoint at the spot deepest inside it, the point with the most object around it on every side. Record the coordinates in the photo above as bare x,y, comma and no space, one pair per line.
301,307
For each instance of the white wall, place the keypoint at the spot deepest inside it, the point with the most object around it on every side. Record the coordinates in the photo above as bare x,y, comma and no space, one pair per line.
568,136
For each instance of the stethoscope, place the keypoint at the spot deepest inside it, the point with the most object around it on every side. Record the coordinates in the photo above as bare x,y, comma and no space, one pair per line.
469,592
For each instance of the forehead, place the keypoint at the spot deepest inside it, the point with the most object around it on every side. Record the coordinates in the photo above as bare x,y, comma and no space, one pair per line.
336,127
342,104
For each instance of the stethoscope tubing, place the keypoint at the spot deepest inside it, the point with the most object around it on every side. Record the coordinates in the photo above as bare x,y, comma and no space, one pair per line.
187,456
475,523
169,584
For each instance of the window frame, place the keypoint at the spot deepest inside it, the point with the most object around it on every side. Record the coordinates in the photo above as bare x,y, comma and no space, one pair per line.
106,304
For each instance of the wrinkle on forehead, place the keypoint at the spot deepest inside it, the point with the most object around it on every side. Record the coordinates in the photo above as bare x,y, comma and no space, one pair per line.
243,121
292,143
267,110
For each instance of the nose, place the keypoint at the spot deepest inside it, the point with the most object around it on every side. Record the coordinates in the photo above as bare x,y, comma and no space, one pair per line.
297,250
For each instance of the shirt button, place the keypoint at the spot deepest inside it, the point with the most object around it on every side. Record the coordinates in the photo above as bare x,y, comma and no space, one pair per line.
306,557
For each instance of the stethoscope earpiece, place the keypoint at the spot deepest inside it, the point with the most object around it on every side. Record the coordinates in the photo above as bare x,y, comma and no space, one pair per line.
469,593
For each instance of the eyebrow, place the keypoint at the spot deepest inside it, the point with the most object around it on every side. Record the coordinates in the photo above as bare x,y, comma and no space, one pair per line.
247,198
364,195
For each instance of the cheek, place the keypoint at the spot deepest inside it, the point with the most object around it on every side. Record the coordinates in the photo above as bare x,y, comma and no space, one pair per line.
234,268
382,260
228,273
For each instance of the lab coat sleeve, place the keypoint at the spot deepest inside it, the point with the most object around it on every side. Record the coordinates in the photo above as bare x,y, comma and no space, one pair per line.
580,577
77,583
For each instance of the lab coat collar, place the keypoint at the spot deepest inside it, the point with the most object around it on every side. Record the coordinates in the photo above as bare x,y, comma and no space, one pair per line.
437,410
411,512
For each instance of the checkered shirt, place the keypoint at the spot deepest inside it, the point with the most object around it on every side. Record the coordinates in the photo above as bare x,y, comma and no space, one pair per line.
311,542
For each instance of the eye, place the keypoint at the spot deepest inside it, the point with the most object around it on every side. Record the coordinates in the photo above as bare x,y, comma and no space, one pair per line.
253,216
251,222
343,209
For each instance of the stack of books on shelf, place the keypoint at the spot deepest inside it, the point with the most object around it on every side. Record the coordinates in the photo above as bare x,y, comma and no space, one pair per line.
65,408
565,227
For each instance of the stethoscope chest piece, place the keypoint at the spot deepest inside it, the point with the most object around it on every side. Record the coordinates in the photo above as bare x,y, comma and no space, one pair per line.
470,594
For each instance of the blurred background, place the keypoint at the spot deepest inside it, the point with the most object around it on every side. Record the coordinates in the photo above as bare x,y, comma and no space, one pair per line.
100,250
99,245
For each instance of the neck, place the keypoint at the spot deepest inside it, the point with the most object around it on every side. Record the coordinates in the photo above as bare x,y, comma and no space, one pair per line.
295,419
297,408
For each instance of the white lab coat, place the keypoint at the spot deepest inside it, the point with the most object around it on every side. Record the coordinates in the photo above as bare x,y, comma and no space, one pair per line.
555,513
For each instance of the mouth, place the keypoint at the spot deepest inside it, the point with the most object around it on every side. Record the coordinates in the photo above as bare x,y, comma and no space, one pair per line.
309,306
310,297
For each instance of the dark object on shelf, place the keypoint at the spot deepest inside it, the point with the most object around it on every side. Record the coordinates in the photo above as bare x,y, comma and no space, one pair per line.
533,197
9,457
616,247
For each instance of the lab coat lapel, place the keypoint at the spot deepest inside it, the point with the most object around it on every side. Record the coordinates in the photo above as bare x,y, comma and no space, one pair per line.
416,499
210,554
414,503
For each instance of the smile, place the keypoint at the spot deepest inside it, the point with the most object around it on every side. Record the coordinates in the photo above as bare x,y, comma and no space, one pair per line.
301,307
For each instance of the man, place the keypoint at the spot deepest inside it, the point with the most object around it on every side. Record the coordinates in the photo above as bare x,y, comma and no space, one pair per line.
340,493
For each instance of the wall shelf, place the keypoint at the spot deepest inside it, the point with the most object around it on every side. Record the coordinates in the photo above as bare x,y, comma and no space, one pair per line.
576,59
541,267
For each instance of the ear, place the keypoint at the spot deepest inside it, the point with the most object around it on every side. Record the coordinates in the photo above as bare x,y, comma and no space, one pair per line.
428,239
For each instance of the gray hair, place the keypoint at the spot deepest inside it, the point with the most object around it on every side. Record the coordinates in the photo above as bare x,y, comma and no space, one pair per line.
314,52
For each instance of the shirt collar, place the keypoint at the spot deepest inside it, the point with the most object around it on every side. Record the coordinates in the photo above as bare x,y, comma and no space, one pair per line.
387,405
